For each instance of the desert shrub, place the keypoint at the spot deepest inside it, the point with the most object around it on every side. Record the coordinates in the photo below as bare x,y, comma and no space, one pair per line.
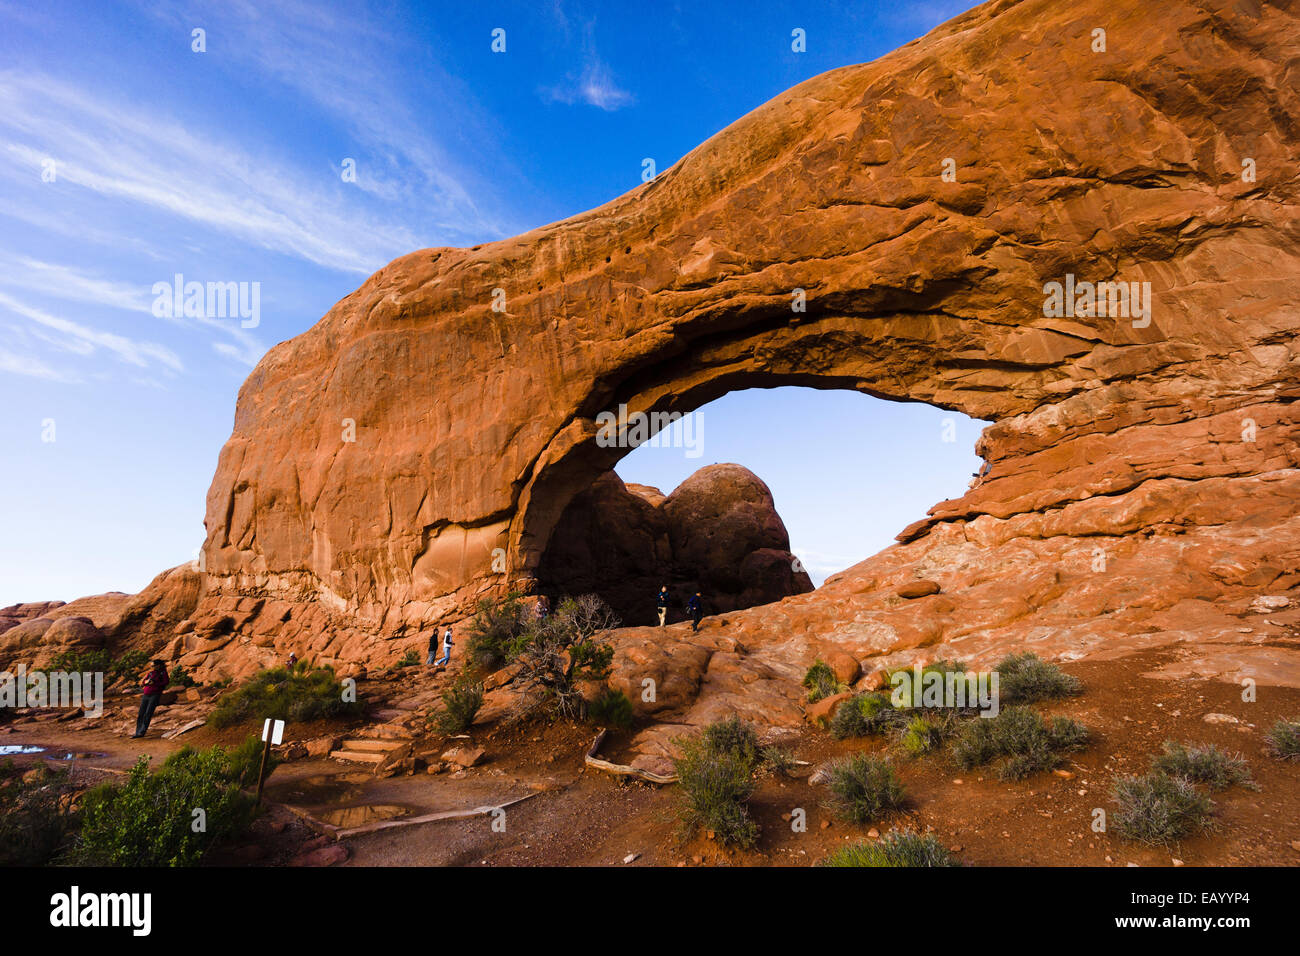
131,663
821,683
410,659
863,787
863,715
1283,739
611,709
776,760
82,661
180,677
1025,678
895,848
461,703
910,694
147,821
1018,736
1159,810
36,818
1205,764
564,652
924,733
301,694
716,776
499,631
732,735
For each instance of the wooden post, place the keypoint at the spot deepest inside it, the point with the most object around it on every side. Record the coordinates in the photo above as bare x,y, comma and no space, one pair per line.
261,773
272,733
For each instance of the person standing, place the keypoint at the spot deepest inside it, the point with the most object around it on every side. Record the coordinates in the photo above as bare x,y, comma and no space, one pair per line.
446,650
697,610
433,649
662,604
155,682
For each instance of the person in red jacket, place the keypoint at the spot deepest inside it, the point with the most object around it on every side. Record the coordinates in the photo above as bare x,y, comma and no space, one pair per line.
155,682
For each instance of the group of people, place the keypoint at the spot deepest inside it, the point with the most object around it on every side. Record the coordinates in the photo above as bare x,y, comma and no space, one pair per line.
694,607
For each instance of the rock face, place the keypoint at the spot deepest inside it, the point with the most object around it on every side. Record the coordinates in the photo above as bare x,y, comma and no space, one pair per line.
907,228
717,533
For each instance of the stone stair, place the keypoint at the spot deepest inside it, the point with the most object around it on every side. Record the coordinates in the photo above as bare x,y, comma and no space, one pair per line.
368,750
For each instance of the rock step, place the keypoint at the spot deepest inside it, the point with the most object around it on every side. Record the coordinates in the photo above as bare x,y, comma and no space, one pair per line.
368,744
393,732
358,756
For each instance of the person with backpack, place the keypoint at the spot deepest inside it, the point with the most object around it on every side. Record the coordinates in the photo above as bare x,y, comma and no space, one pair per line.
446,650
662,604
155,682
697,610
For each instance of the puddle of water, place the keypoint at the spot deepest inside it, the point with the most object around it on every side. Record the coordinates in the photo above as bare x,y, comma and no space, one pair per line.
365,813
9,750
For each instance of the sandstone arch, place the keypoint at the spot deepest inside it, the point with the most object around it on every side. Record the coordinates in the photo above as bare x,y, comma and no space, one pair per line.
474,426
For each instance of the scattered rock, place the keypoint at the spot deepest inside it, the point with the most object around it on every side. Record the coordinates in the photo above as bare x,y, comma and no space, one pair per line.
918,589
464,757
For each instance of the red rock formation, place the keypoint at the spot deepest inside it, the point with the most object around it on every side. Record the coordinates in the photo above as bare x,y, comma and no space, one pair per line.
718,533
415,449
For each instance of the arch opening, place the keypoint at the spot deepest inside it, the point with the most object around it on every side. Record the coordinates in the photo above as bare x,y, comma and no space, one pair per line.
753,496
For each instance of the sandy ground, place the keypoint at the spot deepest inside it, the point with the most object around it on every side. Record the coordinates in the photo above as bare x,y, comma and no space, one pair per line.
574,816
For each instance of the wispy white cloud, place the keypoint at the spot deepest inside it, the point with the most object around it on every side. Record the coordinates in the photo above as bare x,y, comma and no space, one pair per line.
134,155
84,340
595,86
33,367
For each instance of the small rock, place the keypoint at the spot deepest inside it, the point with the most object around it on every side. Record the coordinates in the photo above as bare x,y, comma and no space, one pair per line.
464,756
1064,773
873,833
1177,862
631,857
1267,603
1220,719
325,856
918,589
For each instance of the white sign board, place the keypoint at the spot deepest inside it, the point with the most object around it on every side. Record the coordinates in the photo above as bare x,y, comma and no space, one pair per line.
275,733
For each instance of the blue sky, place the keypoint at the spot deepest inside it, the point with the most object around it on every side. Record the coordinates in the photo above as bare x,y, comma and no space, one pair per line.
127,158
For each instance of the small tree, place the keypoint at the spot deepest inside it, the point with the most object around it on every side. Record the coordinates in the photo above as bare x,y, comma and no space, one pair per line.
564,651
499,631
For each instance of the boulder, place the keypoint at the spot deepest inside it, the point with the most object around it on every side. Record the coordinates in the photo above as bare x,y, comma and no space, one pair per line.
464,757
917,589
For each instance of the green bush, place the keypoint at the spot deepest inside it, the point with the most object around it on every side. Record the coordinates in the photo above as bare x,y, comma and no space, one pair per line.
410,659
776,760
1019,735
130,664
151,819
461,702
863,715
302,694
611,709
86,662
821,683
915,698
895,848
499,631
924,733
36,819
180,677
563,651
1205,764
1159,810
1025,678
1284,739
863,787
715,774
